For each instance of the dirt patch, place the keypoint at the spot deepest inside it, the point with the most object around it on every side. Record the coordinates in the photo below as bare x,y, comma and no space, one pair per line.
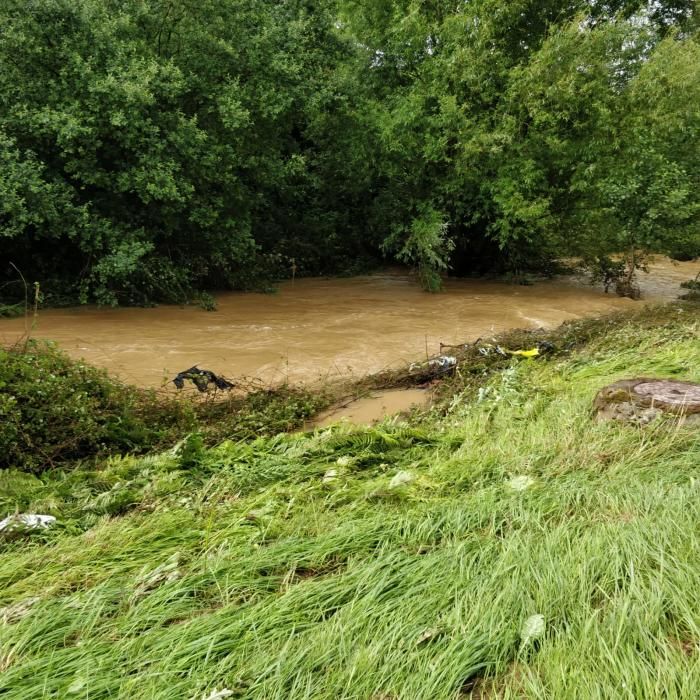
487,687
688,647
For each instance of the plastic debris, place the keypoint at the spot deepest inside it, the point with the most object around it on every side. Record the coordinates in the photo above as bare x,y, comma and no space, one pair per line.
542,348
202,378
520,483
532,352
76,686
532,628
443,362
435,366
218,694
26,523
401,479
330,475
428,635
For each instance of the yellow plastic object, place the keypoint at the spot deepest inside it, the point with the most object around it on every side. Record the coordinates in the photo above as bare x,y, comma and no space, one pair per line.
533,352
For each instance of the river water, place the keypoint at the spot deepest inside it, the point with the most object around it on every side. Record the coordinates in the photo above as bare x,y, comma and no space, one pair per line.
323,328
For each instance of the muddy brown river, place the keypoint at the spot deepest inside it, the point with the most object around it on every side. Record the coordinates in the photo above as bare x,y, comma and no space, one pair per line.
323,328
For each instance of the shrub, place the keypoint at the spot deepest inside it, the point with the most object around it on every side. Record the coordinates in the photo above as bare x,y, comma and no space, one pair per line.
54,409
693,287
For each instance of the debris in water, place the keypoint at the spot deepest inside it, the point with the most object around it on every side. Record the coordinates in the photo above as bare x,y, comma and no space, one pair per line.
202,378
435,366
544,347
443,362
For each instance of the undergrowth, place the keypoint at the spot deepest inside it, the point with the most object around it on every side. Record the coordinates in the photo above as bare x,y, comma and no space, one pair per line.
58,412
54,409
504,545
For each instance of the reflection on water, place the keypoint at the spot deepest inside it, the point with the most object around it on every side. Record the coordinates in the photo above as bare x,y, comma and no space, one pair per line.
315,328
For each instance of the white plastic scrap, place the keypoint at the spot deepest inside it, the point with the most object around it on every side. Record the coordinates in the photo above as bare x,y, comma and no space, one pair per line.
520,483
76,686
218,694
27,521
443,362
330,475
401,479
532,628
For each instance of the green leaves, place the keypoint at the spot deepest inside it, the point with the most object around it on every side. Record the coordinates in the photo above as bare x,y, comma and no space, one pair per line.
155,136
150,148
427,246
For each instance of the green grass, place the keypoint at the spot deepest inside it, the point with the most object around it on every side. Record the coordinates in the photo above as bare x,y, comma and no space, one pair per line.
241,567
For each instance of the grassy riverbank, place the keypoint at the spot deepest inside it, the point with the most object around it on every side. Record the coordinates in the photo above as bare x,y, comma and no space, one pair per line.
405,561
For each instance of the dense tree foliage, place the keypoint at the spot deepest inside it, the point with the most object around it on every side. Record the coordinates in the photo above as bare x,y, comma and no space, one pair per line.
153,147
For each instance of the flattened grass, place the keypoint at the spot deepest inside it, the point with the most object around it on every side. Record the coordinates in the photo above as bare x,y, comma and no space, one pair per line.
288,567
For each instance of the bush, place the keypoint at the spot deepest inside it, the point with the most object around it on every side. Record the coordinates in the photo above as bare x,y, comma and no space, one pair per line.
53,409
693,287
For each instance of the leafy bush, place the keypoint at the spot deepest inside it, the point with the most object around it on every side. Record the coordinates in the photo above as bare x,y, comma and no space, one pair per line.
693,287
11,310
53,409
206,301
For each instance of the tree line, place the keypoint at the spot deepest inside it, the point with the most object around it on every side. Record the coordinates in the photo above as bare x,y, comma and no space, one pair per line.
152,148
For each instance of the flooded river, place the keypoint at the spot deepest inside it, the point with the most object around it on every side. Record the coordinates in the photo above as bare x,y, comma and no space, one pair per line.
318,328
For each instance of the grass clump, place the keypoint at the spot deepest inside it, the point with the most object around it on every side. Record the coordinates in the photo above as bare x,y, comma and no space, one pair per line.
260,412
526,551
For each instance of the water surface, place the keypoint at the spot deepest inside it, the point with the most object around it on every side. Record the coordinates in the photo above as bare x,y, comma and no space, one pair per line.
316,328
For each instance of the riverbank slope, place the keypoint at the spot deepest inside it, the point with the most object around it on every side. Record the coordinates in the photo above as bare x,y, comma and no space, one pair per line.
503,544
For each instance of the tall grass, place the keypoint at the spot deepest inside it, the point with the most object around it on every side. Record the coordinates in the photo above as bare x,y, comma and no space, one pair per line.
289,567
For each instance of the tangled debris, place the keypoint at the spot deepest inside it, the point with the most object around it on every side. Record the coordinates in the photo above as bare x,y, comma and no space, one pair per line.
434,367
202,378
542,348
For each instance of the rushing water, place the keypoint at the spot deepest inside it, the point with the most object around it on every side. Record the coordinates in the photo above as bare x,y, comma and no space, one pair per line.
315,328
